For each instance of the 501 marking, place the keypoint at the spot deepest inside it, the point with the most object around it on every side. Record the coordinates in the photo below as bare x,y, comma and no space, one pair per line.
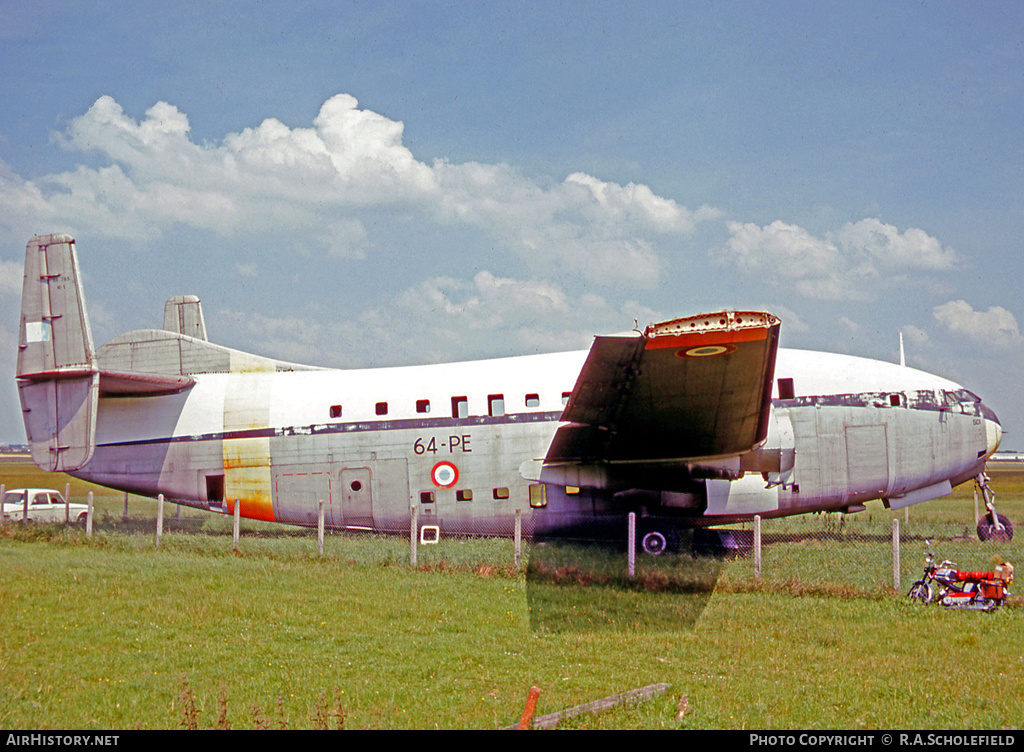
452,444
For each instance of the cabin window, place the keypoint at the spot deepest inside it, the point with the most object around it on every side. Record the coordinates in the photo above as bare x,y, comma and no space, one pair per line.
464,495
500,493
335,411
460,407
423,406
533,400
538,495
496,405
571,490
382,408
565,397
786,389
894,400
426,497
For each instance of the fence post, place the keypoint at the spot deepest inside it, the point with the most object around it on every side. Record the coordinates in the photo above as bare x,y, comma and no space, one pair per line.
237,524
124,516
88,518
896,554
413,531
631,546
159,519
757,547
320,528
518,538
67,503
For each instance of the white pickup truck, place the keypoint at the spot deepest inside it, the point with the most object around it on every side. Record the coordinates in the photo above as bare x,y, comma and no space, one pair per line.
44,505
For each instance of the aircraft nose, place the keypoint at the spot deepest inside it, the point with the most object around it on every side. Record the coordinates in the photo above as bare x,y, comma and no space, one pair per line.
993,431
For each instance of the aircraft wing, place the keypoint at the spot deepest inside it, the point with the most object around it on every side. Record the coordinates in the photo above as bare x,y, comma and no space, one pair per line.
695,387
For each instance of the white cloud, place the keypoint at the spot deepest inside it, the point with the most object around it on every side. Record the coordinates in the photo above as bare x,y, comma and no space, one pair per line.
888,248
789,256
273,181
994,327
850,264
915,337
439,320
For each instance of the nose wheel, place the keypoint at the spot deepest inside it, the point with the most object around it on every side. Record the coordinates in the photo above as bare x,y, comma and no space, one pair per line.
992,526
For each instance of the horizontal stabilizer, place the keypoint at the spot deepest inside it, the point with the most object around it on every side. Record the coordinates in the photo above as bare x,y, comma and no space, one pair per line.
128,384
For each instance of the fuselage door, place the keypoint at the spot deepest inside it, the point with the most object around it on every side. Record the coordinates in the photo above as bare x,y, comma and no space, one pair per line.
357,504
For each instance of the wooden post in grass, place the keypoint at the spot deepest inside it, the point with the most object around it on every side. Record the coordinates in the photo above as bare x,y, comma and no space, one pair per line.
320,528
88,518
67,503
896,554
631,546
124,517
413,530
159,519
757,547
517,552
236,526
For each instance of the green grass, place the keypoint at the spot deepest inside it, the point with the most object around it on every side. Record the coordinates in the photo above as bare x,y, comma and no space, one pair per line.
111,633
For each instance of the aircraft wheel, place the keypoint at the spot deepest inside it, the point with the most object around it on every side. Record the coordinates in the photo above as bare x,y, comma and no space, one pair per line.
921,591
658,542
988,531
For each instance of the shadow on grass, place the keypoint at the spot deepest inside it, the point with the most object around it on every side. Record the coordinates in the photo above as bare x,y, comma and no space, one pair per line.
572,587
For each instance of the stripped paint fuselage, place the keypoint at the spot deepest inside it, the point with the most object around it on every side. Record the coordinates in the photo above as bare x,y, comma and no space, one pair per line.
367,442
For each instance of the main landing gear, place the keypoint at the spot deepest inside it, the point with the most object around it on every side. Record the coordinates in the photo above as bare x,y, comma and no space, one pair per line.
992,526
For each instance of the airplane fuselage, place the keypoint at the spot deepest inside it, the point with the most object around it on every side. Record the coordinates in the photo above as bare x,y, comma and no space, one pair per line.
459,441
691,422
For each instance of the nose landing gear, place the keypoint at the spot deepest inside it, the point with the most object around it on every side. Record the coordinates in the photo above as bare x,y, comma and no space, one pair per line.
993,526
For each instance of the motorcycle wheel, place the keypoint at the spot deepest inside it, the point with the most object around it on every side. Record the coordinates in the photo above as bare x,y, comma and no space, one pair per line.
921,591
988,531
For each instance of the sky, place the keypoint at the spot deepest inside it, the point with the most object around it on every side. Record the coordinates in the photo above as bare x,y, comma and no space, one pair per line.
369,184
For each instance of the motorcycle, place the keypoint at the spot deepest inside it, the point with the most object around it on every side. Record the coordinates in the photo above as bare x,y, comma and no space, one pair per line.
944,583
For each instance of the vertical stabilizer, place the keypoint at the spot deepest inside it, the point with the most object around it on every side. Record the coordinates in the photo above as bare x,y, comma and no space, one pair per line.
183,314
58,380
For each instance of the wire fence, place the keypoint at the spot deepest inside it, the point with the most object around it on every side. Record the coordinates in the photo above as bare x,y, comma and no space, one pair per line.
834,553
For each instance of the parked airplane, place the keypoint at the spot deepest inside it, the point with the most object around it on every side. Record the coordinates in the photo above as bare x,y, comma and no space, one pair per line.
692,422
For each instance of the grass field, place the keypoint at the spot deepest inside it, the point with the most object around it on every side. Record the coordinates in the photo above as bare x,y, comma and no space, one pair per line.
111,633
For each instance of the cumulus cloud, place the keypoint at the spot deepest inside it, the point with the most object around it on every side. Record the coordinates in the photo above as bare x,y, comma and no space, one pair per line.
847,264
995,327
443,319
318,181
886,247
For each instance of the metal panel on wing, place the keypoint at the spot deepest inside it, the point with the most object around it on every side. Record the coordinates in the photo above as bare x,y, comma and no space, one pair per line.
693,387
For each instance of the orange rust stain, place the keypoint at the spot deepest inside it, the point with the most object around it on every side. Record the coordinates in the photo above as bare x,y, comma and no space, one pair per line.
247,478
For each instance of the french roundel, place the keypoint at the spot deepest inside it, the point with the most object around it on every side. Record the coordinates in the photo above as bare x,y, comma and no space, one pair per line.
444,475
706,351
